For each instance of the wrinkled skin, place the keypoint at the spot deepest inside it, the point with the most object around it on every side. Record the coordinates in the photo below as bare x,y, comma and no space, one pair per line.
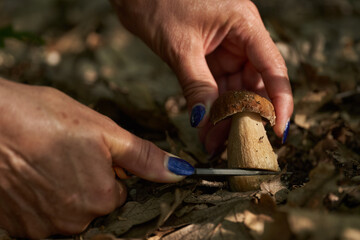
56,158
56,155
213,47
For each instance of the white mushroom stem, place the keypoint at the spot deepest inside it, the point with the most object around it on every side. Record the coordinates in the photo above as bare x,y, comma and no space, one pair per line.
249,147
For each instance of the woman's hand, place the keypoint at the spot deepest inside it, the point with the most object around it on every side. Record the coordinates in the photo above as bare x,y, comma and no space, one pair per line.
212,46
56,159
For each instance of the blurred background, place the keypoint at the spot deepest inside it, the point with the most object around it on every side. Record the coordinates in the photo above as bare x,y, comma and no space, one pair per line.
80,48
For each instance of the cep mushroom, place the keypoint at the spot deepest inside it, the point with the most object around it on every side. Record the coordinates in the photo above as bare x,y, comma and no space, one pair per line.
248,145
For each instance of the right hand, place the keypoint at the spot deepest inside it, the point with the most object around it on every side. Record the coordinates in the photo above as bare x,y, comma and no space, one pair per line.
56,162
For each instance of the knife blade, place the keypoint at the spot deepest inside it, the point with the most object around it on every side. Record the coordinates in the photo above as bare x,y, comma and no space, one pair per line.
233,172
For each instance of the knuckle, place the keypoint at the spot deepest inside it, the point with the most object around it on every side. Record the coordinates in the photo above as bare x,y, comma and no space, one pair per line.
71,227
279,69
35,229
195,90
143,158
50,95
106,192
182,45
48,91
179,49
252,7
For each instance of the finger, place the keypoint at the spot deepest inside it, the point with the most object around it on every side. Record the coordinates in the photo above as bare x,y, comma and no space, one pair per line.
120,192
253,80
198,84
144,159
222,84
120,173
216,136
267,60
225,61
234,81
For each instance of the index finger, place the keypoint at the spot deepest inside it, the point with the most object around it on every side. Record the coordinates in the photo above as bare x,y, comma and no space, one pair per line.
267,60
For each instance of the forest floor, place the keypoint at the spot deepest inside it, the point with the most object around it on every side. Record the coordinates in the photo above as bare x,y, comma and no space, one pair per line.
81,48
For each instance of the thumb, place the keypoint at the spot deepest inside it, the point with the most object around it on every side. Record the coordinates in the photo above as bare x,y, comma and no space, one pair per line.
145,159
199,86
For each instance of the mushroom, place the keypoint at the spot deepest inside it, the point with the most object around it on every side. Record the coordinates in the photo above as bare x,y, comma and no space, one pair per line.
248,145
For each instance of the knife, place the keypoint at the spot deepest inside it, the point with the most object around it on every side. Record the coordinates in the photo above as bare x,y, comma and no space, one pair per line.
120,172
232,172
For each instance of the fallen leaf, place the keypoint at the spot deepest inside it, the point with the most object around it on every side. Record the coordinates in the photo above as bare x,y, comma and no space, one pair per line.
309,104
323,179
256,222
223,221
276,188
131,214
167,210
318,225
188,208
103,237
4,235
346,160
220,196
189,137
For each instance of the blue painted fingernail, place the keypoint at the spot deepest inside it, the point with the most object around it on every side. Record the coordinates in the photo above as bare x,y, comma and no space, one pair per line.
197,114
286,131
180,166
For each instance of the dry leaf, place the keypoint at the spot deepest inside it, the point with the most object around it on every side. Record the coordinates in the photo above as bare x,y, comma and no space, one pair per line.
275,188
133,213
317,225
189,137
218,197
103,237
4,235
320,43
323,180
167,210
223,221
306,108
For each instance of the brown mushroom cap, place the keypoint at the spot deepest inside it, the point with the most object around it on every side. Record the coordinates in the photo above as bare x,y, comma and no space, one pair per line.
233,102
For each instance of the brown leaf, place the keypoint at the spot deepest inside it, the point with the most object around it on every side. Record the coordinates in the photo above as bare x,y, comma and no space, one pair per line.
4,235
256,222
189,208
275,188
167,210
237,219
189,137
223,221
309,104
199,215
318,225
323,180
132,213
347,160
103,237
218,197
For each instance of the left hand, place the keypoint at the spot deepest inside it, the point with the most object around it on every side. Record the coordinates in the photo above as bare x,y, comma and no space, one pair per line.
213,47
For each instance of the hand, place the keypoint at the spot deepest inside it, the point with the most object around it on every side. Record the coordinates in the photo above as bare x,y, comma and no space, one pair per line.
56,159
212,47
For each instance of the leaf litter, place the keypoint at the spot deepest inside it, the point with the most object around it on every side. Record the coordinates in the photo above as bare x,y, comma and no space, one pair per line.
101,65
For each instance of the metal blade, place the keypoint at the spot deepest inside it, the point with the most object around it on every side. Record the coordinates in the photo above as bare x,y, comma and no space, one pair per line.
232,172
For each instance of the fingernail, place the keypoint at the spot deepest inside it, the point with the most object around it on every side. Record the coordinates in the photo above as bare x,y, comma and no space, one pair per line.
197,114
286,131
179,166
